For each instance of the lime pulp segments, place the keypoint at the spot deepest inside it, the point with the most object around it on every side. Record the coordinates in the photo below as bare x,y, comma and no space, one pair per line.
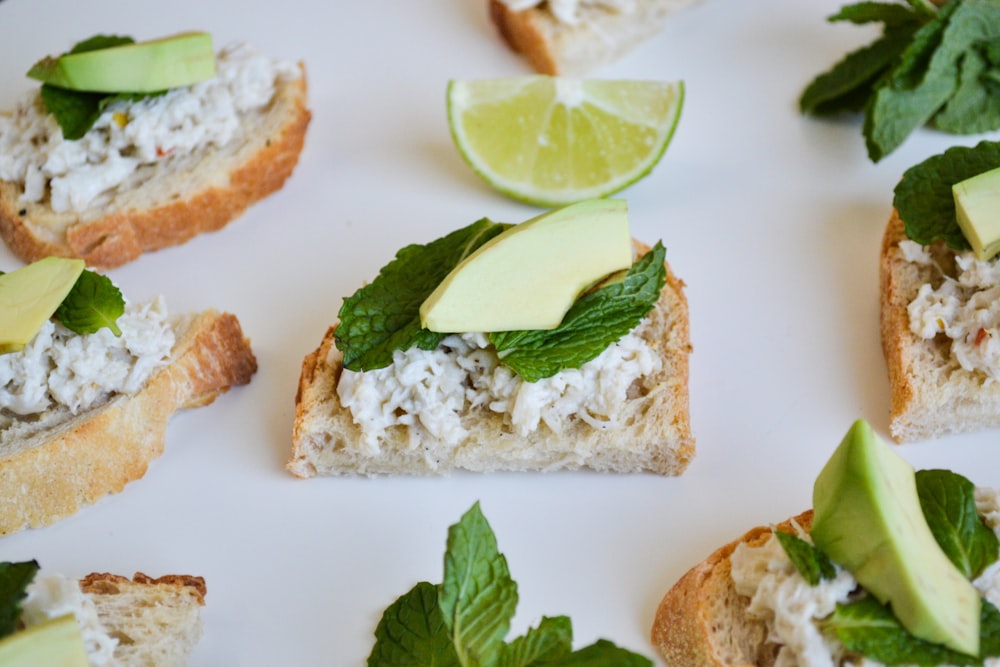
552,141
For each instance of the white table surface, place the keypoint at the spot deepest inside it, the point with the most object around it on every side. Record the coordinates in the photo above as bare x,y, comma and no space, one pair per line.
772,219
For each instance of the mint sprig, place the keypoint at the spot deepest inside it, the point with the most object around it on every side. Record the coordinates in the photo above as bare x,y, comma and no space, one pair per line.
924,196
869,628
595,321
463,621
384,316
92,304
930,66
14,580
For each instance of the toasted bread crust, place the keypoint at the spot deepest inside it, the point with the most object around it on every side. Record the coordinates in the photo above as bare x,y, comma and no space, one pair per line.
599,37
53,474
931,394
104,583
656,435
703,622
118,235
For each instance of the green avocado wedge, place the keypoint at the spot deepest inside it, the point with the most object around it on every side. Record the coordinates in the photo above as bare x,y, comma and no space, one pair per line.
54,642
869,520
142,67
29,297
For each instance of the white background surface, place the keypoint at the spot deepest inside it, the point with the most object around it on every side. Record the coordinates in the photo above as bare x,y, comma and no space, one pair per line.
772,219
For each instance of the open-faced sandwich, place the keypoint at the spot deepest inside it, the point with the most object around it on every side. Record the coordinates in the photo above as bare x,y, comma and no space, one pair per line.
130,147
88,382
940,293
102,620
891,566
574,37
538,346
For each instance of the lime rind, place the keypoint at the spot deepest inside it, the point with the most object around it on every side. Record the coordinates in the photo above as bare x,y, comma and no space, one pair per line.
508,155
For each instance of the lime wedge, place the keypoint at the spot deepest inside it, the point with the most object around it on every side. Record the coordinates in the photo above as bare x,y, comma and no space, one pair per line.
552,141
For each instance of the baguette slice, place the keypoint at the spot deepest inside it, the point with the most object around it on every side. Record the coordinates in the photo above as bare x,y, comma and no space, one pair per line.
703,622
599,37
656,435
48,473
172,201
932,395
156,621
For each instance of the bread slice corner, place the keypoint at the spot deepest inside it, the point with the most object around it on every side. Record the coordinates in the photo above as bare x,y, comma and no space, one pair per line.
156,621
51,473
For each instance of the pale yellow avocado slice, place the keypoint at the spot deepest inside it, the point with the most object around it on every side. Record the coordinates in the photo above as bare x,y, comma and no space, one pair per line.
30,295
528,276
54,643
141,67
868,519
977,207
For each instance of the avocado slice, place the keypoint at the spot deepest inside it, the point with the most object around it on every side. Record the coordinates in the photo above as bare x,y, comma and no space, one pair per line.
528,276
867,518
141,67
977,208
30,295
55,642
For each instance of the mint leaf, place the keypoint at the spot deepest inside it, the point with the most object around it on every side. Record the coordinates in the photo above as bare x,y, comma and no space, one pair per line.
478,596
949,504
890,14
92,304
924,198
14,580
412,632
601,653
594,322
463,622
917,87
849,85
812,564
384,316
869,628
552,639
975,106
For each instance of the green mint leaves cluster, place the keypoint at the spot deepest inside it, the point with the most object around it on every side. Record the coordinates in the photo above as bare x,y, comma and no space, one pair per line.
931,65
384,316
924,199
77,111
464,621
868,627
14,580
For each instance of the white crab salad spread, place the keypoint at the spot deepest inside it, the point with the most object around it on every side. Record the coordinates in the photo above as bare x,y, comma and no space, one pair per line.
427,391
791,608
964,307
60,372
76,175
567,11
50,596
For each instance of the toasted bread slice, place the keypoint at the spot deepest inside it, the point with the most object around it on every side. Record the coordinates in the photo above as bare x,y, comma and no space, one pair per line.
156,621
601,35
173,200
932,395
49,472
703,622
654,434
